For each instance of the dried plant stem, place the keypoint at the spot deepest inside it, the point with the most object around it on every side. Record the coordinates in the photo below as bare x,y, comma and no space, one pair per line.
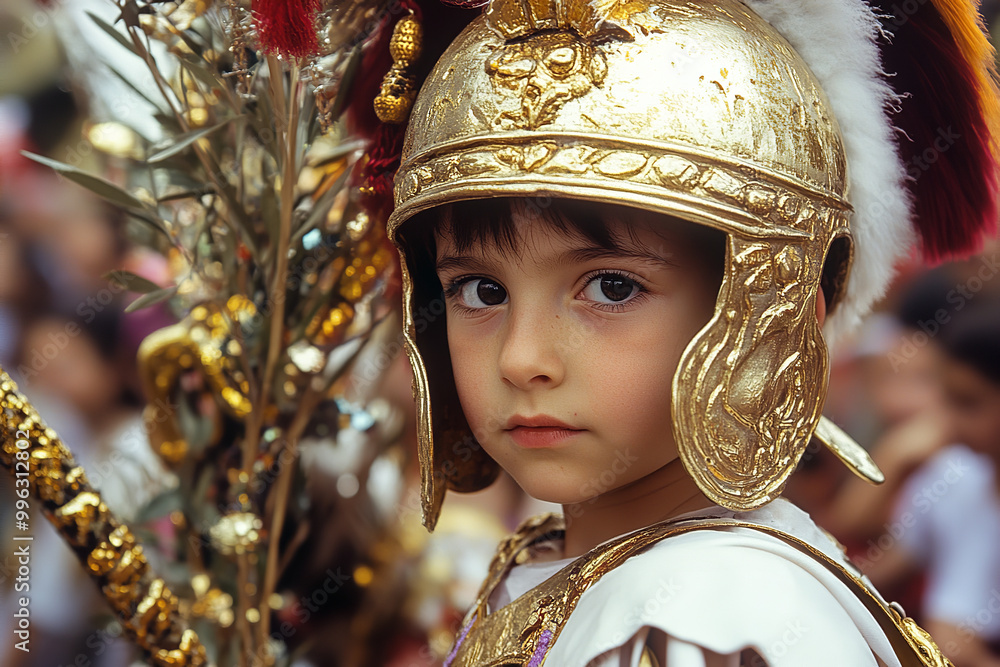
242,604
281,490
287,110
307,405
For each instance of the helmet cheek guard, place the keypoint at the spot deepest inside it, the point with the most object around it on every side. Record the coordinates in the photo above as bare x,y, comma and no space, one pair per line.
450,456
750,387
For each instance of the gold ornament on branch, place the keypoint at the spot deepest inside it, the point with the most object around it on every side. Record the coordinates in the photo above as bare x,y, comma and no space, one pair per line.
237,534
399,86
208,340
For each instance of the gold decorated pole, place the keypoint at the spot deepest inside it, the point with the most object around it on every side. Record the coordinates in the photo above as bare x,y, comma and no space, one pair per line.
44,469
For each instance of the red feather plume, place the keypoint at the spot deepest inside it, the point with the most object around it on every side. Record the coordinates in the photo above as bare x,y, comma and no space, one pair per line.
940,59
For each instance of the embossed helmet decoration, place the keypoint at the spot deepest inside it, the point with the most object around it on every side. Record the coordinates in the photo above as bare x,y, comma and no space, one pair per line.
702,111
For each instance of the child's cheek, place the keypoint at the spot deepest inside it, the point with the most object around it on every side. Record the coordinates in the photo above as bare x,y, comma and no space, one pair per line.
470,367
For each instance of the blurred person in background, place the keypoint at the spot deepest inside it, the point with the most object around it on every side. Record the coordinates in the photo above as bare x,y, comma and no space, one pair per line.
947,518
899,368
78,363
888,390
23,292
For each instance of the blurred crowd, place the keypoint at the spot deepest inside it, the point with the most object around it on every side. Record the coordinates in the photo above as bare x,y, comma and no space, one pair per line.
65,339
919,386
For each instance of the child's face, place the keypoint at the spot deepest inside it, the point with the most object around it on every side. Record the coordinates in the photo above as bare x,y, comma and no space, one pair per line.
564,352
974,406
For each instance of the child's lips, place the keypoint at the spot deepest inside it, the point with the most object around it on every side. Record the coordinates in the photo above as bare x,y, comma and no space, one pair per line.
534,437
540,431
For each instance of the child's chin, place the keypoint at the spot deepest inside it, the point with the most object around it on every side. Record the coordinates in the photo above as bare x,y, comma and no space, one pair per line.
546,492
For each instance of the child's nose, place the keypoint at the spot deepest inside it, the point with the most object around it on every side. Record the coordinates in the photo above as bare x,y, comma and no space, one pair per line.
530,349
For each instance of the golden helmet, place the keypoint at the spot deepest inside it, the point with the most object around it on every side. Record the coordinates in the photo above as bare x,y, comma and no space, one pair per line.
697,110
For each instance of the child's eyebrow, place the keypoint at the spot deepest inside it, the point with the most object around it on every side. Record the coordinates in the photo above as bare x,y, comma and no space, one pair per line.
453,262
581,254
599,252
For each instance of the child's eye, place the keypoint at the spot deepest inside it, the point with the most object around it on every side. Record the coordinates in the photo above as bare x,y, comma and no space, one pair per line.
611,288
478,292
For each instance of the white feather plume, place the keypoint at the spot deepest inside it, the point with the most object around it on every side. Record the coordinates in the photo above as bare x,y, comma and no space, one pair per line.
838,40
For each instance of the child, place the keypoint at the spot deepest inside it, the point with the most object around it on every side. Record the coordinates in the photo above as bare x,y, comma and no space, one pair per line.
635,217
948,517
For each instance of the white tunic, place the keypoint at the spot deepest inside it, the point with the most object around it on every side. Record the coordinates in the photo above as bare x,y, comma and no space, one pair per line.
948,519
700,598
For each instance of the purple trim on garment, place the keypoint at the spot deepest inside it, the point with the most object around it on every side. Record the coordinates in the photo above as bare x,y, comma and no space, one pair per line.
458,643
541,649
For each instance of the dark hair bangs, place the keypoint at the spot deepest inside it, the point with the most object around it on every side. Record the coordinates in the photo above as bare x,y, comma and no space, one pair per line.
495,222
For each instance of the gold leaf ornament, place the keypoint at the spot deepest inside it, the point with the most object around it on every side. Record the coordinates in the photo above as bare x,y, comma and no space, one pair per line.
208,340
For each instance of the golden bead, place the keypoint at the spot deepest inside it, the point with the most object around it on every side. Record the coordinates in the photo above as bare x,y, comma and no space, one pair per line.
396,97
393,110
406,42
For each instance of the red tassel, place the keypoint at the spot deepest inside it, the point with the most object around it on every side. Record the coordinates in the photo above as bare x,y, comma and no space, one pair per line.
948,126
287,27
383,161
